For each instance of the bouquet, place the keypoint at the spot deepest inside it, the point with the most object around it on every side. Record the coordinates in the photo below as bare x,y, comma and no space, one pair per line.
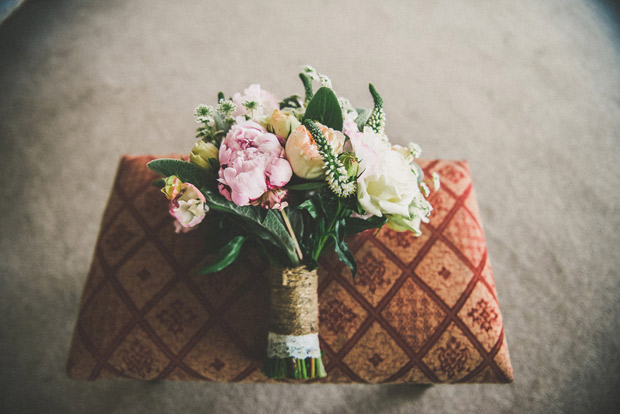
293,178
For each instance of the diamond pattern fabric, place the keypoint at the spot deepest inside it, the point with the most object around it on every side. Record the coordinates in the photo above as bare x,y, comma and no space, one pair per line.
421,309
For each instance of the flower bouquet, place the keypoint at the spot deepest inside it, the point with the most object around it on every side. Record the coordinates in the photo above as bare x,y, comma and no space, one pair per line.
292,178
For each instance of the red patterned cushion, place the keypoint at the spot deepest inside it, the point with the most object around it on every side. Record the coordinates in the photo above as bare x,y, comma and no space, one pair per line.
421,310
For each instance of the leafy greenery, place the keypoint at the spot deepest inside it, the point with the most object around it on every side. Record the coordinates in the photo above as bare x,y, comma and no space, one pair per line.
186,171
290,102
362,118
322,221
264,224
307,87
310,185
325,108
377,118
225,256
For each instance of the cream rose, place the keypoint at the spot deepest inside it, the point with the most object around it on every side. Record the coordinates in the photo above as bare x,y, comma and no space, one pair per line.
202,152
281,123
302,153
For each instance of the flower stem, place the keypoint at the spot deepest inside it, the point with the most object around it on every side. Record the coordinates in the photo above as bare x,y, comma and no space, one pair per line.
292,233
294,368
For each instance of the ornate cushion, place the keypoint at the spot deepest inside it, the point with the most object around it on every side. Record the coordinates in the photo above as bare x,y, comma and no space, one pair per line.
421,310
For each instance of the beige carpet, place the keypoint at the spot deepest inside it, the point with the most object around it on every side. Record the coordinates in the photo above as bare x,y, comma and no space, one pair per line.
527,91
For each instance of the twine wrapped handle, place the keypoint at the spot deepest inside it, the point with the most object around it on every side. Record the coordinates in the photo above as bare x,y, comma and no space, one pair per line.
294,301
293,349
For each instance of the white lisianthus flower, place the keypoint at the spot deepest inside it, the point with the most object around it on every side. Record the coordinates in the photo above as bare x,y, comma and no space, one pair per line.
387,185
419,210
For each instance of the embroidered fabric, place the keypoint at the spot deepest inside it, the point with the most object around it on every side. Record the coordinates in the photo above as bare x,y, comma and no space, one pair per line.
295,346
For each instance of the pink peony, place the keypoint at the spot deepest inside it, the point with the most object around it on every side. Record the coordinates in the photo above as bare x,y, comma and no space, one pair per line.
272,199
252,163
266,101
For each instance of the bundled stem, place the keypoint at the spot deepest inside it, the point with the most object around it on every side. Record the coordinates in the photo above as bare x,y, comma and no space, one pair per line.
293,345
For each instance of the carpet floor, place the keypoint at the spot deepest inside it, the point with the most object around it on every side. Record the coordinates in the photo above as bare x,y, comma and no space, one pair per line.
528,92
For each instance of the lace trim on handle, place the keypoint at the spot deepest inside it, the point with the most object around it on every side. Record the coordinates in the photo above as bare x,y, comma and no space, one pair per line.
293,346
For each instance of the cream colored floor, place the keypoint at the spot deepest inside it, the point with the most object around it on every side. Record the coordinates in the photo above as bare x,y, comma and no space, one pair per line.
527,91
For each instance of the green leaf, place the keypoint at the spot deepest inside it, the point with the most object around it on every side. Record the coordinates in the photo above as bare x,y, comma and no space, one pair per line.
220,125
341,248
356,225
309,206
186,171
225,256
290,102
307,86
159,183
325,108
215,164
265,224
308,186
362,118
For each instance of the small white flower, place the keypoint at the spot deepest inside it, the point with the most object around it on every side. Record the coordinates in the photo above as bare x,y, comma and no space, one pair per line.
204,114
425,190
346,107
325,81
436,183
414,149
226,108
310,72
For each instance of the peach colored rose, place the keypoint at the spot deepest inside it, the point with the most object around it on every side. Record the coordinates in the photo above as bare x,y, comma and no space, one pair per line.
302,153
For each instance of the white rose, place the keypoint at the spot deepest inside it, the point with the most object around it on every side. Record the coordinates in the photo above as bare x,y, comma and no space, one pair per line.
387,186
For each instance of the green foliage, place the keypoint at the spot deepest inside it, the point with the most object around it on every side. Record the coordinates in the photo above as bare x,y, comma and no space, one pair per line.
325,108
335,173
186,171
307,87
226,256
356,225
362,118
290,102
266,225
377,118
310,207
310,185
341,248
323,221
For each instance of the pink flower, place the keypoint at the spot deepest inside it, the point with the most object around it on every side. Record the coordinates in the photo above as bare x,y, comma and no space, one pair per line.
187,207
266,102
252,163
272,199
